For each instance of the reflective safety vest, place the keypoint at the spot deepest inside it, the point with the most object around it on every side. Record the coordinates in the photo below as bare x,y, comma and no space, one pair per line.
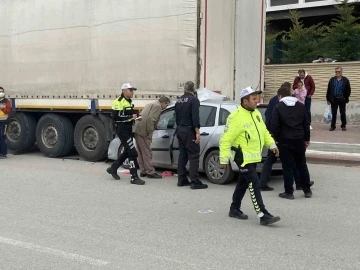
123,106
247,131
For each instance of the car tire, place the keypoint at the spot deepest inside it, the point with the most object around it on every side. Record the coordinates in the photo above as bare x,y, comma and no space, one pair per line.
55,135
20,136
213,171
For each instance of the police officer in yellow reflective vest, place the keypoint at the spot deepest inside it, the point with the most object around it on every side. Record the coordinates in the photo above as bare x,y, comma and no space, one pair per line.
124,116
243,139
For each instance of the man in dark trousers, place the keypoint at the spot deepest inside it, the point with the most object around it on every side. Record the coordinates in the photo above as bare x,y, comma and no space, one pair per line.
124,117
291,130
188,134
309,84
245,134
272,158
338,93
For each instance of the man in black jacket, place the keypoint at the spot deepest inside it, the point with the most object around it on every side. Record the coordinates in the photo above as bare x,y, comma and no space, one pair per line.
271,158
338,93
291,130
188,134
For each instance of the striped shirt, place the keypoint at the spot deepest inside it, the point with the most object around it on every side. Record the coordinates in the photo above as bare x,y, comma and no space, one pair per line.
338,87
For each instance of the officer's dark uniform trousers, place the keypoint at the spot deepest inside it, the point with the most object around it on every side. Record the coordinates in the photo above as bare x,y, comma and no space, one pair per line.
189,151
125,134
248,178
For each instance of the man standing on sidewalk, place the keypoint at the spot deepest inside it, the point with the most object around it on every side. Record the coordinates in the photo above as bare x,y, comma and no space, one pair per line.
338,93
272,158
291,130
309,84
246,134
143,131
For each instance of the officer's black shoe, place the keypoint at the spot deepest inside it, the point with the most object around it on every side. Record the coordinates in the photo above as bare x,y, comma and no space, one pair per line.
143,174
137,181
197,184
308,194
267,188
114,175
154,175
236,213
183,183
268,219
288,196
300,187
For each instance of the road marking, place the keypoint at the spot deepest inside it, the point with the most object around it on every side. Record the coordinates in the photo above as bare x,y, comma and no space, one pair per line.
352,144
332,153
52,251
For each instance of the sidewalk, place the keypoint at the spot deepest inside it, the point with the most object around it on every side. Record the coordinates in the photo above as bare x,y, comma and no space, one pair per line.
336,147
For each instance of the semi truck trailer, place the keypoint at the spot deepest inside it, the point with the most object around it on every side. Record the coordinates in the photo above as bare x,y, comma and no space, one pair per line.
63,62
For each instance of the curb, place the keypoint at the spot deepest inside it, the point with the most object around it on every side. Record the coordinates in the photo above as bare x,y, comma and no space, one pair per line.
334,158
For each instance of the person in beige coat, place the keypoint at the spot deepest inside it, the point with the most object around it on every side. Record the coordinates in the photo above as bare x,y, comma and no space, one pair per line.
143,131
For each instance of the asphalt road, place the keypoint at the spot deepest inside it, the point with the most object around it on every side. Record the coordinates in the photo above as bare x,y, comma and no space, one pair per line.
70,214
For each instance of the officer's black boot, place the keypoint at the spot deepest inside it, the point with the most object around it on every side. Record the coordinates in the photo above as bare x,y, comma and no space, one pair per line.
182,182
237,213
135,178
197,184
268,219
113,174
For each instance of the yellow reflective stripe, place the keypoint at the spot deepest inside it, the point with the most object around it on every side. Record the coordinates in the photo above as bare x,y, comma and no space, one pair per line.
224,161
251,155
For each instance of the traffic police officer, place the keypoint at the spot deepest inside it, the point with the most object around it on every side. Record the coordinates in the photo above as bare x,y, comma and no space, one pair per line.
124,116
188,134
246,134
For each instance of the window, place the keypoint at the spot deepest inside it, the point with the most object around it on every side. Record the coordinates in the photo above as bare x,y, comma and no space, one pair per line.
207,116
167,120
283,2
223,116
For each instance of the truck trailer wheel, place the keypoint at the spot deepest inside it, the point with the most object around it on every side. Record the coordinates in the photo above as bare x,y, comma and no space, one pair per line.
90,138
20,135
54,135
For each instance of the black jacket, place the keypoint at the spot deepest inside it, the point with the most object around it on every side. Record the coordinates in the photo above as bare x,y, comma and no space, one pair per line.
330,89
289,121
187,111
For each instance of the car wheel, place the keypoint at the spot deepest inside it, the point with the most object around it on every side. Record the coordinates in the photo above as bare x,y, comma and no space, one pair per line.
126,164
213,171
